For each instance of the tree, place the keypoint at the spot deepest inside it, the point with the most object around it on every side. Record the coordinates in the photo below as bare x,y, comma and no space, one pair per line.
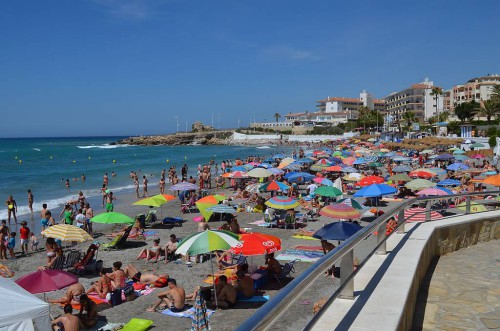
436,92
443,117
495,95
277,116
409,117
466,110
489,109
369,118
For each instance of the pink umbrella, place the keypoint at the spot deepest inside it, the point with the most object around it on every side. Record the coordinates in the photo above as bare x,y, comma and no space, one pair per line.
432,191
43,281
477,156
418,214
349,160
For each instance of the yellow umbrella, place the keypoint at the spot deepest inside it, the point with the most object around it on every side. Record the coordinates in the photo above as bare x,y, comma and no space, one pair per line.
66,232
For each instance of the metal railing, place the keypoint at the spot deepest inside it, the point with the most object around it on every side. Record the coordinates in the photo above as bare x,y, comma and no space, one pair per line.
270,312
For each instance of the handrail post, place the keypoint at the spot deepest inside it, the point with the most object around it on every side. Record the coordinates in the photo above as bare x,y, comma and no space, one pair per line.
382,250
401,219
428,210
346,269
467,204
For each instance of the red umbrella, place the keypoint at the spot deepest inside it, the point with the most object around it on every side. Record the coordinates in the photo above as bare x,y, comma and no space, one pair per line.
369,180
43,281
334,168
421,174
418,214
257,244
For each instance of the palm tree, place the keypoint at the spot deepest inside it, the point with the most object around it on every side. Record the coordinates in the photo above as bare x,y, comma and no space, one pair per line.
277,116
495,95
466,110
410,118
437,91
443,117
489,109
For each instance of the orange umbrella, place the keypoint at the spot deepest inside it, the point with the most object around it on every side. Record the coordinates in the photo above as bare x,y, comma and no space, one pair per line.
492,180
334,168
349,160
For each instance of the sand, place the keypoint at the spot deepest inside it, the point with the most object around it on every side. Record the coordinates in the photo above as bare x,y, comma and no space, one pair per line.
188,277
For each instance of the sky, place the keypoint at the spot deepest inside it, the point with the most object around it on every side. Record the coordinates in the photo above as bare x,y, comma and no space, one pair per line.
132,67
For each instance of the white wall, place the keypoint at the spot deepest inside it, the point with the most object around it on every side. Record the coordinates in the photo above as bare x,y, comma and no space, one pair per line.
332,107
241,136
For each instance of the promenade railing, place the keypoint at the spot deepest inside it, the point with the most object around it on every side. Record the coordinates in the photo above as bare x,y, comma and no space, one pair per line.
271,312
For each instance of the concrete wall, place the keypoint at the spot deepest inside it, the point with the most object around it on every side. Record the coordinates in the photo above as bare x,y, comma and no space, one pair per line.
444,240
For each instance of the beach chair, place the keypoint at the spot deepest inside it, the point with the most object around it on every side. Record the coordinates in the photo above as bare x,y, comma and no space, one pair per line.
190,206
118,241
151,217
285,270
87,263
289,221
72,257
236,260
58,263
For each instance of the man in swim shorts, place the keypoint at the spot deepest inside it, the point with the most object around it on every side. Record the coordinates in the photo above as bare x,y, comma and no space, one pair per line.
152,279
174,298
109,202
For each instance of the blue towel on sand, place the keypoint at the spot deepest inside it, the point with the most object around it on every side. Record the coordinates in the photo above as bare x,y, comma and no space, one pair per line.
188,313
256,298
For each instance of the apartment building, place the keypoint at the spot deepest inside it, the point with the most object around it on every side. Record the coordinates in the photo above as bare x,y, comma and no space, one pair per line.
476,89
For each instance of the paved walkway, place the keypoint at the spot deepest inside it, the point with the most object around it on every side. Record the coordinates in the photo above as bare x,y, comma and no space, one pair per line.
463,292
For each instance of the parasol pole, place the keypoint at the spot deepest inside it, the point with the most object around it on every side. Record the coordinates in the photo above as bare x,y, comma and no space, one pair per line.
213,277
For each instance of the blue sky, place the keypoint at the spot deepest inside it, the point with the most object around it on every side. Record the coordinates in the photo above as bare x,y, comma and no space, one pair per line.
127,67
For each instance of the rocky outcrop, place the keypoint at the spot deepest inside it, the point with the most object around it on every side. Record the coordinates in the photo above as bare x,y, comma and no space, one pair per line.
193,138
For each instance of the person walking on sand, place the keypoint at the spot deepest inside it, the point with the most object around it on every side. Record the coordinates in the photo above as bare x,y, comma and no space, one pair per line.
89,213
109,202
24,233
11,208
145,186
30,201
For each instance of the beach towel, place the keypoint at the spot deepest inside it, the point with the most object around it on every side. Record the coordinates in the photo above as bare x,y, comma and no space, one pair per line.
256,298
146,291
94,297
259,223
299,254
309,248
188,313
150,233
300,236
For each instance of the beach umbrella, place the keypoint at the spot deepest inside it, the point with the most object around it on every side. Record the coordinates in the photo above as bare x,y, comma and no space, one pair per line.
449,182
319,167
283,203
477,156
375,164
183,186
259,173
112,218
458,152
335,159
427,151
401,168
461,158
369,180
155,201
401,159
418,184
323,181
293,166
253,188
265,165
422,174
334,168
43,281
349,160
286,161
374,190
474,207
206,202
400,178
359,161
431,191
328,191
276,171
349,169
305,160
444,157
492,180
457,166
337,231
340,211
257,244
239,168
353,177
300,177
351,202
221,209
207,242
419,214
66,232
235,174
476,145
199,319
278,156
274,186
436,170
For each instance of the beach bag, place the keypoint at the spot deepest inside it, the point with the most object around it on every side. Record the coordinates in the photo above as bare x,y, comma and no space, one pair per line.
116,297
129,293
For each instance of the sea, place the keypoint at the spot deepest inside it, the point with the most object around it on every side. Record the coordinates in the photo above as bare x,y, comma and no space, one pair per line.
43,165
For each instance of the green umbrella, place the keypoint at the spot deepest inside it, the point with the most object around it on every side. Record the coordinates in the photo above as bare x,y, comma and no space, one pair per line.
112,218
328,191
375,164
474,207
458,152
155,201
353,203
427,151
418,184
477,145
400,177
319,167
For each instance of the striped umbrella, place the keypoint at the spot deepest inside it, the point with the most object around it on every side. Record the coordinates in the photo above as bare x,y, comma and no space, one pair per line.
221,209
323,181
449,182
340,211
282,203
204,203
235,174
349,160
66,232
274,186
328,191
334,168
351,202
418,214
349,169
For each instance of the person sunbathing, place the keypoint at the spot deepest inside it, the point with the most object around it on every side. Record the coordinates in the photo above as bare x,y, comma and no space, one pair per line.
245,285
89,319
174,298
303,232
153,252
155,280
103,285
73,294
170,248
136,230
117,276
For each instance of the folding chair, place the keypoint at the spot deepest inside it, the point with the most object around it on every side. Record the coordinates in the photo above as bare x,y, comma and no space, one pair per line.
119,240
71,259
286,270
58,263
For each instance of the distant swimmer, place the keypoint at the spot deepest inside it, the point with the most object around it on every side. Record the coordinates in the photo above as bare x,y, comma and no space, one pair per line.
67,183
75,179
105,179
83,177
113,174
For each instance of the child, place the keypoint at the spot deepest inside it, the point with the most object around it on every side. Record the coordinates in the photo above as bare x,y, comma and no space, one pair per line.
24,232
3,243
11,244
34,242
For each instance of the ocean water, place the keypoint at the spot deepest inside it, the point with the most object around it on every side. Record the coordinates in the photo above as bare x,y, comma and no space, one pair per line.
44,164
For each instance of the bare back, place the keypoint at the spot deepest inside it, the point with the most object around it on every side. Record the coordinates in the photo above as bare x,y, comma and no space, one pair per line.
70,322
178,296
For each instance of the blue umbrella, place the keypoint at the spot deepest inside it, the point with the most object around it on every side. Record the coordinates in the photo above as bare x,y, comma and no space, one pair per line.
438,171
293,166
264,165
269,159
359,161
371,158
449,182
335,159
375,190
305,160
276,171
444,157
461,158
349,169
279,156
337,231
402,168
300,177
239,168
457,166
401,159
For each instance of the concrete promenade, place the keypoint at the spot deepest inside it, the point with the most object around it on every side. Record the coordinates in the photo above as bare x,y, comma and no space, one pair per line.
463,292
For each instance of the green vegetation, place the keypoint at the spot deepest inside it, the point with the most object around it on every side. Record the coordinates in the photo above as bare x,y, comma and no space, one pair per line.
467,110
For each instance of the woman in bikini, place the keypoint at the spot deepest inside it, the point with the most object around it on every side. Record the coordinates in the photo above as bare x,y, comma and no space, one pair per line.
102,286
152,252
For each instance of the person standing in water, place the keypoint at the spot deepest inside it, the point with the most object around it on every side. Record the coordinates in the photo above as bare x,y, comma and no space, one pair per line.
11,208
30,201
145,187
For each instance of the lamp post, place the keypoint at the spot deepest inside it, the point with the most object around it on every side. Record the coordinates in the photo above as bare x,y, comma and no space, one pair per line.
177,124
